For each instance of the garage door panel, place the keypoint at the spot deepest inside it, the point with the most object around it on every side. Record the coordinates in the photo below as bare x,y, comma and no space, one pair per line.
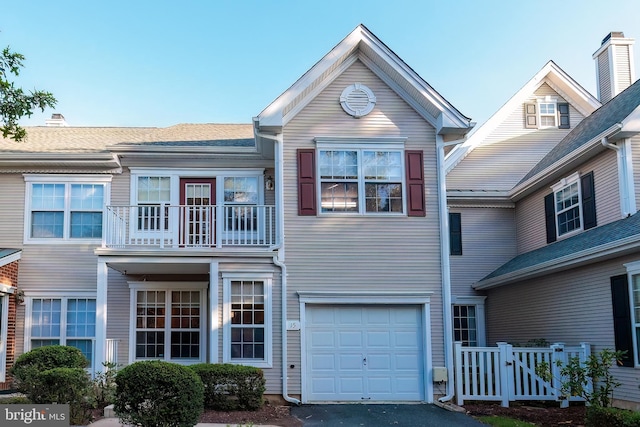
388,337
350,339
379,339
350,362
323,362
322,339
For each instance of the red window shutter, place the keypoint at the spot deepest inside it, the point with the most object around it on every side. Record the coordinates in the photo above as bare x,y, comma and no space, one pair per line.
415,183
307,182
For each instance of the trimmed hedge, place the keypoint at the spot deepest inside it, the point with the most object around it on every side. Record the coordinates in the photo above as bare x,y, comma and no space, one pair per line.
29,367
158,394
598,416
231,387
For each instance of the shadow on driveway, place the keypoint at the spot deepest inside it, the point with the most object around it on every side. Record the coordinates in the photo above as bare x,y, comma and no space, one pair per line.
375,415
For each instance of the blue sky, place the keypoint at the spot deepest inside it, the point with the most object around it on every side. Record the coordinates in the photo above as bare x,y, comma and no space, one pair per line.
159,63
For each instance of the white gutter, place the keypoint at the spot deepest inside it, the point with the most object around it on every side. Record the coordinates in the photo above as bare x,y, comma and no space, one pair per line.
445,268
278,258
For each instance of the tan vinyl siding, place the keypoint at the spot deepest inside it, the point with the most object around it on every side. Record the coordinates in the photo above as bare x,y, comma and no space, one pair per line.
366,253
604,77
571,307
487,243
12,193
530,218
623,67
510,151
635,155
120,189
118,313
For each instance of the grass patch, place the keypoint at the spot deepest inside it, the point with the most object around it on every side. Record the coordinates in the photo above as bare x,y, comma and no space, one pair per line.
500,421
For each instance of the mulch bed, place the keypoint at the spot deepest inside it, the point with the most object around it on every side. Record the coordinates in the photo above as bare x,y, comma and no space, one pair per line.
540,414
268,414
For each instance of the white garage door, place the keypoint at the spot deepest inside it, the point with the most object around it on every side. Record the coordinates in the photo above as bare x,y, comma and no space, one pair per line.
364,353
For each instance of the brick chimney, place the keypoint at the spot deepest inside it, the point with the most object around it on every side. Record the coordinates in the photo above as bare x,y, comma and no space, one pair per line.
614,65
56,120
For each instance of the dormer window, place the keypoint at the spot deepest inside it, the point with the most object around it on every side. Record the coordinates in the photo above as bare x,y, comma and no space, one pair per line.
546,113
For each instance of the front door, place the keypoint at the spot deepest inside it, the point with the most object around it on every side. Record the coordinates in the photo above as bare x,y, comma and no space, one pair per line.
197,210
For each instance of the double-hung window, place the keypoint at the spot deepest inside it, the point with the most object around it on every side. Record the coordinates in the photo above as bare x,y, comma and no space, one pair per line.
547,114
65,208
361,180
62,320
168,321
247,319
571,206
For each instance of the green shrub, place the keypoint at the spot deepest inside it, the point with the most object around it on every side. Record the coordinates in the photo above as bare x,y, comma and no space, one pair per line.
55,374
230,387
104,386
598,416
29,365
158,394
67,385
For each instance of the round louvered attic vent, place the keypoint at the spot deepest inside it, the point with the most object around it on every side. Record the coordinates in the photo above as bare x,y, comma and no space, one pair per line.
357,100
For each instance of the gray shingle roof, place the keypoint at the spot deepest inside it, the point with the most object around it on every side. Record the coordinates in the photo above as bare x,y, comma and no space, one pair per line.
607,234
42,139
5,252
614,111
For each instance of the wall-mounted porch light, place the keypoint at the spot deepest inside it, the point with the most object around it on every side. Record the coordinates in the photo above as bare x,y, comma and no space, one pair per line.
268,183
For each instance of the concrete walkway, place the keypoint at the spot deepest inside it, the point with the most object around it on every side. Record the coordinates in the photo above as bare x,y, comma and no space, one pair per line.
113,422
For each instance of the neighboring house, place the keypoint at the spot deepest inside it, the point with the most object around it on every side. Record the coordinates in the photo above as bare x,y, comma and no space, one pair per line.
310,243
544,224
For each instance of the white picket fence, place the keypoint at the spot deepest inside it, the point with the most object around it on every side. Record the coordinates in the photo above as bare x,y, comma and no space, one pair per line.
506,373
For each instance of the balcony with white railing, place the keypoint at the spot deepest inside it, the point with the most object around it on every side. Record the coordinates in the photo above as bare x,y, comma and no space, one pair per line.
188,226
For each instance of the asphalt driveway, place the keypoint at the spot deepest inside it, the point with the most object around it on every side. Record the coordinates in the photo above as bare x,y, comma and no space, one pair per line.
374,415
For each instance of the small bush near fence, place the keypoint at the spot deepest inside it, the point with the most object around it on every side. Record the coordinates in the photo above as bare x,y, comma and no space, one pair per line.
598,416
156,393
231,387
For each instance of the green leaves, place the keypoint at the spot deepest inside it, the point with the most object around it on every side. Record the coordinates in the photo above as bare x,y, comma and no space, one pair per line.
15,103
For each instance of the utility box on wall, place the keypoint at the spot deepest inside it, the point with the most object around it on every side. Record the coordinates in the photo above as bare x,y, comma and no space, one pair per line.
439,374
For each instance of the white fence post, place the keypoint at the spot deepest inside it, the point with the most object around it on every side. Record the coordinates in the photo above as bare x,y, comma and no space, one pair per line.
458,378
557,378
506,371
584,356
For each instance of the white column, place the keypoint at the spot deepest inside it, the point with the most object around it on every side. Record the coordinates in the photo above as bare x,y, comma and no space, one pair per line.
214,313
100,355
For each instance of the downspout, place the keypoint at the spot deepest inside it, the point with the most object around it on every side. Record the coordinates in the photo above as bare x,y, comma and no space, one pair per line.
445,268
623,176
278,258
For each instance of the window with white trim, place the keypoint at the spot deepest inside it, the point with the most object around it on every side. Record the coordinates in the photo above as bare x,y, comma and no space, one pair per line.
168,321
633,271
547,114
247,319
65,209
67,320
152,192
567,205
365,181
4,320
241,198
469,321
